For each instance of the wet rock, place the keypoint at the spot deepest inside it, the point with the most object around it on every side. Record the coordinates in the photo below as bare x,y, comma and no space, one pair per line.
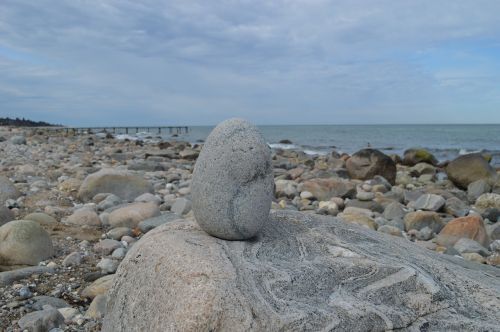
417,155
123,184
232,185
131,215
24,242
367,163
468,168
206,284
470,227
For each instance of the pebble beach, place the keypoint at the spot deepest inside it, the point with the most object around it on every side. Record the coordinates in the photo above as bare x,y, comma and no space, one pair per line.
73,206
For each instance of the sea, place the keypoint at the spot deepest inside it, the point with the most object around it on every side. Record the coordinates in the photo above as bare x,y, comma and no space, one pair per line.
446,142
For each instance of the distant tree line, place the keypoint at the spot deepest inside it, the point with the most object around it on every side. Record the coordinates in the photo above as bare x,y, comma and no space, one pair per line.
17,122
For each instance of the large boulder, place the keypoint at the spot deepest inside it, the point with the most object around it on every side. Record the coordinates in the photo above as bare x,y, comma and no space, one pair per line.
468,168
302,273
7,190
324,189
233,182
367,163
470,227
414,156
123,184
24,242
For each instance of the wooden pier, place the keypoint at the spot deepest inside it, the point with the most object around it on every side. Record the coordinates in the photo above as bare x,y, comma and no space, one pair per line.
119,130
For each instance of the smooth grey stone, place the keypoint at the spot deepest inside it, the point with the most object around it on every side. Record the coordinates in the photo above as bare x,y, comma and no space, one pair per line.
465,245
456,207
428,202
42,320
73,259
8,277
316,273
148,224
181,206
232,184
41,300
477,188
394,210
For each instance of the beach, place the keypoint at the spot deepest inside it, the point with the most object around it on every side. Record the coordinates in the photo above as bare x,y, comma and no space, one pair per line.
87,199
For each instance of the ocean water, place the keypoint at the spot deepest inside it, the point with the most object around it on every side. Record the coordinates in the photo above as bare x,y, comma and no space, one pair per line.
444,141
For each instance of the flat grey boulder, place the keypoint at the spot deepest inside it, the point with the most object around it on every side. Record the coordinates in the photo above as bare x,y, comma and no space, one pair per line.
303,272
232,185
123,184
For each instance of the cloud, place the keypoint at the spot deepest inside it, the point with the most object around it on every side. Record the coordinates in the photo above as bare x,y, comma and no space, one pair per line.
285,61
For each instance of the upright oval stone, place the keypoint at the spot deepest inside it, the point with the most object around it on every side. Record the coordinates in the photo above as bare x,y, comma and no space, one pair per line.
232,184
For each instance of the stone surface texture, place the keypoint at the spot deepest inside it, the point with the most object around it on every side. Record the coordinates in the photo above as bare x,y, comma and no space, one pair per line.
302,273
232,184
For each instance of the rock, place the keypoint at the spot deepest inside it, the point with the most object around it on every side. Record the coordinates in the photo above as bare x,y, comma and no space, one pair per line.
428,202
41,321
181,206
118,232
84,217
148,197
68,313
119,253
414,156
100,286
25,293
148,224
365,196
470,227
325,189
6,215
394,210
42,300
477,188
109,202
465,245
492,214
295,267
367,163
286,188
24,242
18,140
422,169
420,219
391,230
73,259
70,185
357,210
123,184
41,218
488,201
8,277
358,219
132,214
97,308
494,232
329,207
106,246
108,265
370,205
456,207
7,190
232,185
474,257
468,168
306,195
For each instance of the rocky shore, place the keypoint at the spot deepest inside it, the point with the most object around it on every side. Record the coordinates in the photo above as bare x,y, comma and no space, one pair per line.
72,207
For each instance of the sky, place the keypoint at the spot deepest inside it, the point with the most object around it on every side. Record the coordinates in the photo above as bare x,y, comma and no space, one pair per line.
187,62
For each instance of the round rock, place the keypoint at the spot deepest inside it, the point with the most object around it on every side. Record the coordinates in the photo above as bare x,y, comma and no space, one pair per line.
232,184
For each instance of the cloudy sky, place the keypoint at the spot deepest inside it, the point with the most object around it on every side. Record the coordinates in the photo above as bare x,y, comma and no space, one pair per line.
149,62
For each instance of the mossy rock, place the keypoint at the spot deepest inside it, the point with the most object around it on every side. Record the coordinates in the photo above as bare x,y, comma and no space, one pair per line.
418,155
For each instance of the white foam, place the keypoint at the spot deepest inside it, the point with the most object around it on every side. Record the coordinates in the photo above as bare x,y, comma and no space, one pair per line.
126,136
283,146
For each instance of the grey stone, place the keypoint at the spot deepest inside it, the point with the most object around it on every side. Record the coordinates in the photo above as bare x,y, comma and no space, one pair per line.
420,219
108,265
84,217
123,184
148,224
181,206
41,300
367,163
24,242
41,321
119,253
456,207
488,201
393,211
492,214
232,184
109,202
97,308
118,232
468,168
25,293
132,214
18,140
465,245
302,273
477,188
148,197
73,259
428,202
8,277
370,205
7,190
365,196
106,246
6,215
